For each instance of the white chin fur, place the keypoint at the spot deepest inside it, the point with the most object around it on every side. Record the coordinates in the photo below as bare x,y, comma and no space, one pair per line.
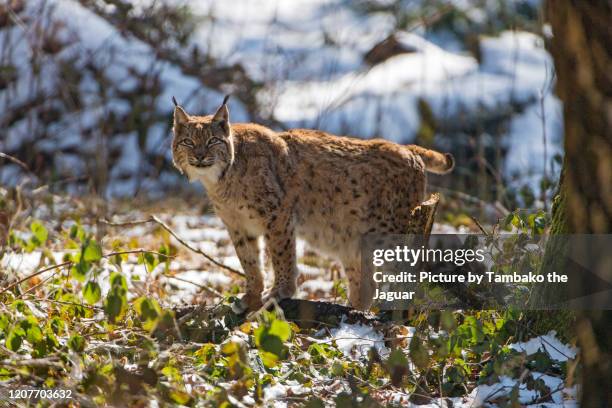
207,175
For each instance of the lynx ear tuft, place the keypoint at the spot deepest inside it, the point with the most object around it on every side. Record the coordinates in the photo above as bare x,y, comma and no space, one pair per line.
174,101
222,114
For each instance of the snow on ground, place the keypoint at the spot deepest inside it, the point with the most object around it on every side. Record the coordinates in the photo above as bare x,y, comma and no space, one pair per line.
561,396
355,340
548,344
188,273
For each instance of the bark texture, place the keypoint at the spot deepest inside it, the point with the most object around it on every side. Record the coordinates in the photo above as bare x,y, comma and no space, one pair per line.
582,52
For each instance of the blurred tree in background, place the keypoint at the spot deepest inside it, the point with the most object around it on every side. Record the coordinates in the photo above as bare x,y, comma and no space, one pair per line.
582,49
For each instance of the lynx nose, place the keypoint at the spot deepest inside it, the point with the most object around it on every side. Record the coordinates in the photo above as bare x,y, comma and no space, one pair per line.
200,157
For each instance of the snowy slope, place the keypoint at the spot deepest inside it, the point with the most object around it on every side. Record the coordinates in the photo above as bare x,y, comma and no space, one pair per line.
308,57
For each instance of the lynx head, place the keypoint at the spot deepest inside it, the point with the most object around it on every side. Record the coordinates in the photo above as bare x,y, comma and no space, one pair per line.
202,146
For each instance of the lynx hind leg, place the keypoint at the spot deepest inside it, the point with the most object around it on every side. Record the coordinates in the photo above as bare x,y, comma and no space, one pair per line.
361,288
249,254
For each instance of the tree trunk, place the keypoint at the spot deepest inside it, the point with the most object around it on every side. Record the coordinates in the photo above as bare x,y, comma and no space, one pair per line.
582,52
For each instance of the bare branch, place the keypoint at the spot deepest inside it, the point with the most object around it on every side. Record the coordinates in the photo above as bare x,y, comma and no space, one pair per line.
187,245
16,161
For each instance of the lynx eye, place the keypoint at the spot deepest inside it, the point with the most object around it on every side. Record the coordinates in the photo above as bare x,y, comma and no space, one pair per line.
186,143
213,141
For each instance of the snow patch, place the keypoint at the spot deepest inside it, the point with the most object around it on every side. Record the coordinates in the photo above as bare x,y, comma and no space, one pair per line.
549,344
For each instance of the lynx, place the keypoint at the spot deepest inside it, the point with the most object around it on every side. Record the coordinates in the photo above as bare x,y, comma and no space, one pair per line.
275,186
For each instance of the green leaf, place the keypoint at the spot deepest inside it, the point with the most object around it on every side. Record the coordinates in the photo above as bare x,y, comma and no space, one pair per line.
74,306
92,251
92,292
281,329
268,359
172,373
475,326
447,321
14,339
52,341
149,260
21,307
179,396
115,305
149,312
397,365
40,233
32,329
418,353
118,280
4,322
80,270
337,368
56,325
74,230
77,343
269,339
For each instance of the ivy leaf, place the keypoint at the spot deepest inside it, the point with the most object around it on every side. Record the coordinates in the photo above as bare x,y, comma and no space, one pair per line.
80,270
418,353
476,332
77,343
4,322
73,306
115,305
447,321
281,329
149,312
269,339
40,233
337,368
118,280
397,365
14,339
92,292
32,330
52,341
74,230
92,251
150,261
179,396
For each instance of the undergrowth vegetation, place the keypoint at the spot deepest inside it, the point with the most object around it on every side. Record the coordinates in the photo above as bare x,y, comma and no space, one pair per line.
94,315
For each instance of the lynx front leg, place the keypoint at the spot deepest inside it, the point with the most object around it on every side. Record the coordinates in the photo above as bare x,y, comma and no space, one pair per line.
248,251
280,243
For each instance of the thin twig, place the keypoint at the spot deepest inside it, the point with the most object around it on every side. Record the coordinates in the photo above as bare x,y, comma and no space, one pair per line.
32,362
16,161
30,276
203,287
480,226
187,245
63,302
42,282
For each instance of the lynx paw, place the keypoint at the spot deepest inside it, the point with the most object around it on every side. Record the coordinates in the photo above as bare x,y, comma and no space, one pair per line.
249,302
277,294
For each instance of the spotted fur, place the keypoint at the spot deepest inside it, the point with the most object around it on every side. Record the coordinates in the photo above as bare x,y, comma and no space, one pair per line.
269,187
